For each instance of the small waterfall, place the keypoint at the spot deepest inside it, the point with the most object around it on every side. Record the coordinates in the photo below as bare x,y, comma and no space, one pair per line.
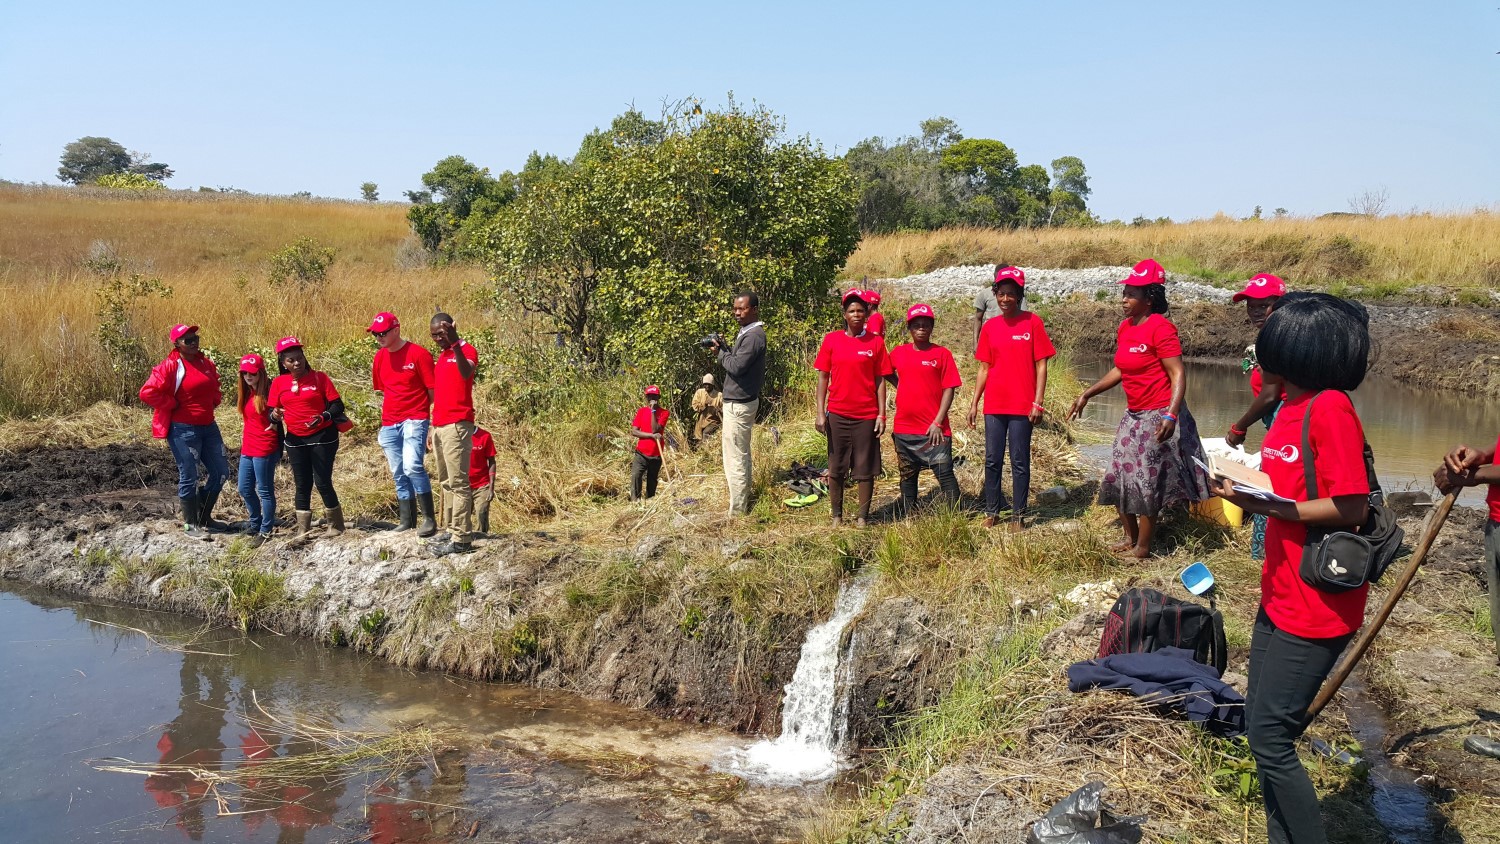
815,709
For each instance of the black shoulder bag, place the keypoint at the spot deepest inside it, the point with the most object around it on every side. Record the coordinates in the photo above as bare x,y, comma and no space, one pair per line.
1336,560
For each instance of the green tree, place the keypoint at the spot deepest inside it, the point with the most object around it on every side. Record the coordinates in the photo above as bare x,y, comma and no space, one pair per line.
87,159
460,198
370,191
304,261
636,248
1068,199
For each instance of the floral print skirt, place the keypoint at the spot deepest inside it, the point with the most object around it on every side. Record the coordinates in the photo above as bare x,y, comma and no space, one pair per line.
1146,477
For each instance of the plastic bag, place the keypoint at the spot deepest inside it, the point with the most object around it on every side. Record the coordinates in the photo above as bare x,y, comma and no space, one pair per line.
1083,818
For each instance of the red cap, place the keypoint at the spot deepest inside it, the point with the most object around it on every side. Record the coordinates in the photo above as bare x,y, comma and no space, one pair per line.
1010,274
920,310
872,297
1145,273
653,390
855,293
178,331
287,343
384,321
1261,286
252,363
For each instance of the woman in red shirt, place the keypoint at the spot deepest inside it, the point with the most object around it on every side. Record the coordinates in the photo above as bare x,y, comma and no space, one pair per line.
926,379
852,365
1151,467
1315,343
1260,295
183,391
1012,351
260,449
307,403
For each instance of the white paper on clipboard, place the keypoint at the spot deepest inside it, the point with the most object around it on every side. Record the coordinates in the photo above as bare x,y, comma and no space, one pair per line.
1253,492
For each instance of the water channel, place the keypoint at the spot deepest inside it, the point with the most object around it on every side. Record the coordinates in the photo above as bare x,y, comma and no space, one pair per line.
83,681
1410,430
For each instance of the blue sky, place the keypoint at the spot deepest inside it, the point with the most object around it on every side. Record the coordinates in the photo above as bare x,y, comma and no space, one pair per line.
1180,109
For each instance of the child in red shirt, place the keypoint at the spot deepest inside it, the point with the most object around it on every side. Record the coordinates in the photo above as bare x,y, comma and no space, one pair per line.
1319,346
1012,351
850,399
482,476
926,379
648,427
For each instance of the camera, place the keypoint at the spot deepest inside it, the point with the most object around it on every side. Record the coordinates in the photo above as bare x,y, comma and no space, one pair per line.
711,340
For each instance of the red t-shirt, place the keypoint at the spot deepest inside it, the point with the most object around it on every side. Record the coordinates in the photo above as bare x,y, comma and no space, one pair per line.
303,401
199,393
1492,498
921,378
479,458
1012,346
854,365
875,324
642,421
1139,350
453,395
261,438
1338,440
404,377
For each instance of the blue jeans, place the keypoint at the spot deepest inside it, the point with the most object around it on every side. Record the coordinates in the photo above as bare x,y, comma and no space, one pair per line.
999,431
405,446
194,444
258,488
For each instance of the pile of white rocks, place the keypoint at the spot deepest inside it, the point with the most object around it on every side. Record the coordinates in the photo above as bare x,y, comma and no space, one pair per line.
966,281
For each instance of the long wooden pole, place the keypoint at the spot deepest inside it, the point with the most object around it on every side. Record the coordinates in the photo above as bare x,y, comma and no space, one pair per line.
1367,635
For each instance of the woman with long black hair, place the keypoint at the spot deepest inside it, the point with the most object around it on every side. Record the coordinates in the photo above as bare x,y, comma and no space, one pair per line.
1151,467
307,403
1319,346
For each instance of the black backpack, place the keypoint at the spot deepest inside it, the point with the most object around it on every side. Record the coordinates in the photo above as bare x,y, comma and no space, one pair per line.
1143,620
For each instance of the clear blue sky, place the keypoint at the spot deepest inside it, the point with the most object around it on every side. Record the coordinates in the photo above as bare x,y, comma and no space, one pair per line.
1179,109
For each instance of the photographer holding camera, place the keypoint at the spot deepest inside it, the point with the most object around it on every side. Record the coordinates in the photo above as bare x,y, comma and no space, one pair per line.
744,362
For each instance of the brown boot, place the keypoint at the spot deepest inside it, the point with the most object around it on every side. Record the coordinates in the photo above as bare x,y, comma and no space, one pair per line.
335,517
304,526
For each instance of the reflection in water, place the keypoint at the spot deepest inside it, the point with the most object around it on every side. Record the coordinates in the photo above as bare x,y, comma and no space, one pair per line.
1410,430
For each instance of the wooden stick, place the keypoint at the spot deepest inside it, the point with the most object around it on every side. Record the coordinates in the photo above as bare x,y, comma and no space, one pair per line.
1367,635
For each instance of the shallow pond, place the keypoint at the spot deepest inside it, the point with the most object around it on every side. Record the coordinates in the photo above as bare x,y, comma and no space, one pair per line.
87,681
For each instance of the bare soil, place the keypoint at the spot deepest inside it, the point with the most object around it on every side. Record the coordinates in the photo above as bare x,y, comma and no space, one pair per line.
47,487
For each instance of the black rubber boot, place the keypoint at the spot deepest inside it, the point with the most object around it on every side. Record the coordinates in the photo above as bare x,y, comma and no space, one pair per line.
408,509
190,509
206,504
428,525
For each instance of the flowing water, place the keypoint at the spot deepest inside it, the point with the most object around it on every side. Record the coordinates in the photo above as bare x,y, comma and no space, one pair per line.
1410,430
529,765
815,710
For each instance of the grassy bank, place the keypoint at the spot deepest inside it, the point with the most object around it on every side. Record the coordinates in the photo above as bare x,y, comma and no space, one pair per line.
1369,256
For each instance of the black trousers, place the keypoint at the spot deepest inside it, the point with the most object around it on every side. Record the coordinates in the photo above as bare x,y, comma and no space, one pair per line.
1286,672
311,459
1001,431
645,470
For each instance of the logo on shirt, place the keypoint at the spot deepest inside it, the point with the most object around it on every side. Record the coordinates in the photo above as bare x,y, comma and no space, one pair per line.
869,353
929,363
1138,350
410,366
1026,336
1287,453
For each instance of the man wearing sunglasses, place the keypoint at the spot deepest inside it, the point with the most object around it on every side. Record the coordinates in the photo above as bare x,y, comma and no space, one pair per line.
403,375
183,392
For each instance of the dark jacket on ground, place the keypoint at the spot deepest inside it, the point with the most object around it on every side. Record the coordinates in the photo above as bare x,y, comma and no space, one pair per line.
744,365
1172,676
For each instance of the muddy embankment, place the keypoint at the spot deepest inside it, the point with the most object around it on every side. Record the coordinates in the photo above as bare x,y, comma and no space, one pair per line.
1455,350
540,608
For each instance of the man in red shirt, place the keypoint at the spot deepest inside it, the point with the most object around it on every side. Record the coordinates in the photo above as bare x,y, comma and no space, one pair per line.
453,430
926,378
402,374
482,476
647,427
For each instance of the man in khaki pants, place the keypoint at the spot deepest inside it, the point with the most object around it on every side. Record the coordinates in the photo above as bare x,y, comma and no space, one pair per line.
453,431
744,362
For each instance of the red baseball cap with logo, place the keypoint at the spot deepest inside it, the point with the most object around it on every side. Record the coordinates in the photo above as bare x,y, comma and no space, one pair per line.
1010,274
252,363
872,297
1261,286
1145,273
856,293
383,322
920,310
287,343
180,331
653,390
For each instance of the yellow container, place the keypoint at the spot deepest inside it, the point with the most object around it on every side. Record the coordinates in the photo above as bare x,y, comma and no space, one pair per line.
1219,511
